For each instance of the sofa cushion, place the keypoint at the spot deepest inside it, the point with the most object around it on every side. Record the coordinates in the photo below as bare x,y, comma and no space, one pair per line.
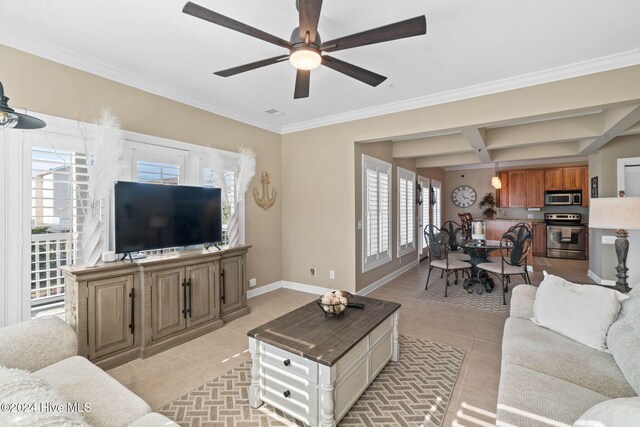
623,341
532,399
18,387
614,412
79,380
539,349
581,312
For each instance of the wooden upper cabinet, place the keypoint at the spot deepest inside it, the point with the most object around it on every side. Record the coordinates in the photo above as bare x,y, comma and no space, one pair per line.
572,178
535,188
517,189
502,195
553,179
586,186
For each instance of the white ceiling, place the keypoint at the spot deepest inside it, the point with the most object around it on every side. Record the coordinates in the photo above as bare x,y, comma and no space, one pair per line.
471,47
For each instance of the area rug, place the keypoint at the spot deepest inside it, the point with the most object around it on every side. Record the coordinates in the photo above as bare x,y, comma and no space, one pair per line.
415,391
489,301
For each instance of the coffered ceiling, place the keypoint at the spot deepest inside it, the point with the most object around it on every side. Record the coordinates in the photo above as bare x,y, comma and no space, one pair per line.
471,48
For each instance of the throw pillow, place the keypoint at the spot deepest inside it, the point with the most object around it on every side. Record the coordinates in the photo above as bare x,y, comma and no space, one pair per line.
615,412
583,313
29,401
623,341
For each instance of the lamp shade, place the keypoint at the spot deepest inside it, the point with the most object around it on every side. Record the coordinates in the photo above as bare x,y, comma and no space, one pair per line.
615,213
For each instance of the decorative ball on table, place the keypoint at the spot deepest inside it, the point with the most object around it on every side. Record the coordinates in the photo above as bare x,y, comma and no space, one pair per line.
333,304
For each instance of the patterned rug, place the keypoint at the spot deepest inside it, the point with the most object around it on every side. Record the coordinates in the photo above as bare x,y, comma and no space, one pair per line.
489,301
415,391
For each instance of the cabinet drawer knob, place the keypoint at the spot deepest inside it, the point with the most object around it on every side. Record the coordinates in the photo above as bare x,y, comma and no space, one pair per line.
287,393
287,362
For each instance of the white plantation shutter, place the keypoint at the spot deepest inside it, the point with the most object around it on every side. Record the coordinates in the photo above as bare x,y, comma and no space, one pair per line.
436,202
208,180
631,186
376,206
425,210
59,191
406,211
632,180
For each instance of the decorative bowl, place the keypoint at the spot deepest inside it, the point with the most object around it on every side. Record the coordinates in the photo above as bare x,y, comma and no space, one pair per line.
333,304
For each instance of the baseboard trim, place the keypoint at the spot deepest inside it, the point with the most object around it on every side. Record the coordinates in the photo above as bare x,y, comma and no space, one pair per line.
295,286
600,281
386,279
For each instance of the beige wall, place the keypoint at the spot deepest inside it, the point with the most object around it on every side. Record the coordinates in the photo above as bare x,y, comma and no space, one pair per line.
48,87
381,151
604,165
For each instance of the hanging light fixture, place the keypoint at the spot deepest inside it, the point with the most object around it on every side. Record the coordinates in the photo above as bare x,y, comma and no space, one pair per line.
495,181
9,118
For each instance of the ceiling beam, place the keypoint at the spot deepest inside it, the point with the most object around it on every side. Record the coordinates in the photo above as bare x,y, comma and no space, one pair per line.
616,121
558,130
432,146
538,151
633,130
448,160
476,138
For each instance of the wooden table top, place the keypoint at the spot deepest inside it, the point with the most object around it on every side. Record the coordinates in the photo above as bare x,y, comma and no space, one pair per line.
307,333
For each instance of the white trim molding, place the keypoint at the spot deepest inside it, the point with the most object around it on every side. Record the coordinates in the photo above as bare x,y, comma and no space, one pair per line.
386,279
285,284
600,281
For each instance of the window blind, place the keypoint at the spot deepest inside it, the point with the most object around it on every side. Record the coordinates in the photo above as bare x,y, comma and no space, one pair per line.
158,173
632,180
436,201
376,177
406,211
59,192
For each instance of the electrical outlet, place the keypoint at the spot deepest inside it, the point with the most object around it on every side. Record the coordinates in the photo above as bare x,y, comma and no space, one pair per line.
312,271
530,216
359,224
252,283
332,274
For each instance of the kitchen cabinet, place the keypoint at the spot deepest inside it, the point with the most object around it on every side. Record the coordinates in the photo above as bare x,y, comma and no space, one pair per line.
517,189
539,243
563,178
502,194
586,186
535,188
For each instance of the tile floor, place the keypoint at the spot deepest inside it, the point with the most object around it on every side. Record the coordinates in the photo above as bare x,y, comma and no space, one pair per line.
165,377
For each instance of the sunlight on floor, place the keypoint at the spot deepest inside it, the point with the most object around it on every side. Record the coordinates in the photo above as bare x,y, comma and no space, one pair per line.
470,413
532,416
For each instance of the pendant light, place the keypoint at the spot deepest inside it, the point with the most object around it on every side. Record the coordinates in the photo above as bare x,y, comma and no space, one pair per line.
495,181
9,118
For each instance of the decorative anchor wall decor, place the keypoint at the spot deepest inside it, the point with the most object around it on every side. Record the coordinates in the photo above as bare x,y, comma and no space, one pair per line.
265,202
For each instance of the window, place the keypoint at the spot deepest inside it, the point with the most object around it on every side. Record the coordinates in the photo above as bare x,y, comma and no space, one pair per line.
58,202
629,182
158,165
376,213
436,202
406,211
424,211
228,205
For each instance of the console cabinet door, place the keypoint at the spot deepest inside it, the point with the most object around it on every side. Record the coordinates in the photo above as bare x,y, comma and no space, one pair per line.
232,294
201,293
110,321
167,302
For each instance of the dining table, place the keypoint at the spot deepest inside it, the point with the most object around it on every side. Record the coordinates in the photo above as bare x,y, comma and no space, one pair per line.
479,252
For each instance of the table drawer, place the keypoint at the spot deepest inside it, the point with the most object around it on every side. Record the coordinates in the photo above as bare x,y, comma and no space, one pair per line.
291,363
381,330
292,398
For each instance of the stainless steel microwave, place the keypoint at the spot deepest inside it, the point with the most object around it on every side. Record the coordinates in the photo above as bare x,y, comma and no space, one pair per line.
562,199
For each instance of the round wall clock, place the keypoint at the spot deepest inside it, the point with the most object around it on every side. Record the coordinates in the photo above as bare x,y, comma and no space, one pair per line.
463,196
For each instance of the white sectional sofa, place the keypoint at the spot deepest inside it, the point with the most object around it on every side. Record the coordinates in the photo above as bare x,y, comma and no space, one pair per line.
47,349
550,380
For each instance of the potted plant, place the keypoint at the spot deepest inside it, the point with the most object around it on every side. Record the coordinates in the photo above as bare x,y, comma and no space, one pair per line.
488,203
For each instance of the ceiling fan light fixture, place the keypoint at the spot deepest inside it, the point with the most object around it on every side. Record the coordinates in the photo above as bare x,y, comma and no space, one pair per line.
305,58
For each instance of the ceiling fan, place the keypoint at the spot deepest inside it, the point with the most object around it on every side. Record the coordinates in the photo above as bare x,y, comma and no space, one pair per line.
306,50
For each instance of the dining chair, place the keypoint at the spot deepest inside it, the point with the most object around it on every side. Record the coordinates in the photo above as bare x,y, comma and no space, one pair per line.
465,221
438,250
514,248
455,240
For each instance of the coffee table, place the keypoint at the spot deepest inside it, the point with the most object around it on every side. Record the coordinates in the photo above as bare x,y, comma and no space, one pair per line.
315,368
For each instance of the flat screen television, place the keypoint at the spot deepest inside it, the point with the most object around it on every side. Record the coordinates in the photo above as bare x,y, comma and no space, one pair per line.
155,216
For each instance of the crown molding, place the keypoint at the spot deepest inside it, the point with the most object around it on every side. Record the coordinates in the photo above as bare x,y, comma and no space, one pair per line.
71,59
605,63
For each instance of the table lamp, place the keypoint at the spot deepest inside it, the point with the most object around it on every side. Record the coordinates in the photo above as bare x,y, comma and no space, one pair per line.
620,214
478,231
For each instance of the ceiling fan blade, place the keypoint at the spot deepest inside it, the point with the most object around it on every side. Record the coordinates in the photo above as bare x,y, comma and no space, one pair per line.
400,30
309,11
252,66
215,18
302,84
365,76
